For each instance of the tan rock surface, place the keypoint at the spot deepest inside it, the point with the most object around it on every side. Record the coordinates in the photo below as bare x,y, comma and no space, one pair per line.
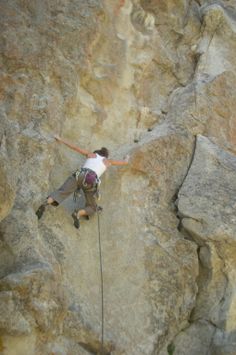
143,78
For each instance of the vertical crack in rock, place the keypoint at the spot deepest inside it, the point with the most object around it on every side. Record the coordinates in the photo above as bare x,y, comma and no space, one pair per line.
214,290
175,199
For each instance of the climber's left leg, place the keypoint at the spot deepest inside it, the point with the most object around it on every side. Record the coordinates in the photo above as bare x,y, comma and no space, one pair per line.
59,195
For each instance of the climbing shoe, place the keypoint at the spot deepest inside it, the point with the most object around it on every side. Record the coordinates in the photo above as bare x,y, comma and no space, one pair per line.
40,211
76,220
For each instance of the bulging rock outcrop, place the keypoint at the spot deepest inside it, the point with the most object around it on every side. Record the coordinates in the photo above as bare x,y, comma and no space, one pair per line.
152,79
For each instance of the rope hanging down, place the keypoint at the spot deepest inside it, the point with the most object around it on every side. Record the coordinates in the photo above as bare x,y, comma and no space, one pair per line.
101,275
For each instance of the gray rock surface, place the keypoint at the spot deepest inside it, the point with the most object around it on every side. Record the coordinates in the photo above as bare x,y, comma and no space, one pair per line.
206,205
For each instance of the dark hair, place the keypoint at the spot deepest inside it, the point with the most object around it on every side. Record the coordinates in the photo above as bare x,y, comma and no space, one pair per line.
104,152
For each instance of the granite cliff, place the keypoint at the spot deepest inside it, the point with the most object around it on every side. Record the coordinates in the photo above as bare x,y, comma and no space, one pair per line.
154,79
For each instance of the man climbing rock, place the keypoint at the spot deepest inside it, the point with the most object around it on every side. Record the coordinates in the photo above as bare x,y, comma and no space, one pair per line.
87,178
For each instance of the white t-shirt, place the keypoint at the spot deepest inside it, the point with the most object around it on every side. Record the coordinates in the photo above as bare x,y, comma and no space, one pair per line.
96,164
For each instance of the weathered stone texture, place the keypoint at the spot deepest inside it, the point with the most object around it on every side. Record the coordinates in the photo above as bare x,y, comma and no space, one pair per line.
206,206
156,80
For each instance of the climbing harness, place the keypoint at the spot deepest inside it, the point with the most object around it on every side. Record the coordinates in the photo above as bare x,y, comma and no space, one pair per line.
90,179
101,278
90,183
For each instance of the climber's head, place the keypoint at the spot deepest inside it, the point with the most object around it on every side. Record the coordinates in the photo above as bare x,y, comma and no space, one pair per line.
104,152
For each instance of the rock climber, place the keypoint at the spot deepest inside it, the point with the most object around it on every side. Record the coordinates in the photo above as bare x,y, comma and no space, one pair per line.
87,178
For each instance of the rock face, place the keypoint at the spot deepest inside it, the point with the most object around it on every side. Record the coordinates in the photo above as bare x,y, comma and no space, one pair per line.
152,79
207,210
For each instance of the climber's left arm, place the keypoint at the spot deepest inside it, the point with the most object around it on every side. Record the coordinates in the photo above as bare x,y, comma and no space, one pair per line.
74,147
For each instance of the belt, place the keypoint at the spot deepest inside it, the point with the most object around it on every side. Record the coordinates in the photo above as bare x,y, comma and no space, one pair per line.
86,170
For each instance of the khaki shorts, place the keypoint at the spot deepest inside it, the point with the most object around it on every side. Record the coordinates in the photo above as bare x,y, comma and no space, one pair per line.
70,186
